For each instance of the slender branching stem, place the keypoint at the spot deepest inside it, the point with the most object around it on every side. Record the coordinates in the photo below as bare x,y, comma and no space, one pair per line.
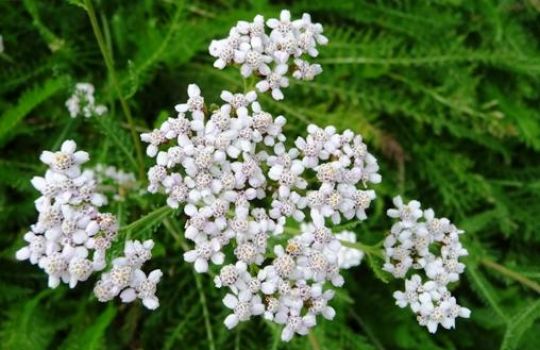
202,297
107,57
511,274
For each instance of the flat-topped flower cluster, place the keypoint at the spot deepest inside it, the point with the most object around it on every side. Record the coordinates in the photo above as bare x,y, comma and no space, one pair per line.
126,278
242,187
269,56
71,238
422,243
239,184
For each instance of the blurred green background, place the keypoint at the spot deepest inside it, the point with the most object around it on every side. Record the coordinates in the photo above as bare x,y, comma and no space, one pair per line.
446,94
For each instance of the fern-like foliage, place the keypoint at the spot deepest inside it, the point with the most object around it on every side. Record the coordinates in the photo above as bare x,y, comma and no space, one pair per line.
445,93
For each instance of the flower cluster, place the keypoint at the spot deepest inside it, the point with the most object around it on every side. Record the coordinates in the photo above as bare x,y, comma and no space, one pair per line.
117,181
269,55
347,257
71,236
126,278
420,241
239,184
83,102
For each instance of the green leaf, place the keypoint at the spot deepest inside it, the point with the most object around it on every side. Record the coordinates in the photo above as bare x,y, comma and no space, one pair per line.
27,326
93,336
375,265
149,221
27,102
484,290
519,324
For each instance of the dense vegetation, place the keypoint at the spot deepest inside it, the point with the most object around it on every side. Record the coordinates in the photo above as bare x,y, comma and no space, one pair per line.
446,94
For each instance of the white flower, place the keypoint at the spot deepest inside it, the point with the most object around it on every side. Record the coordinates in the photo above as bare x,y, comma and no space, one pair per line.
249,46
274,82
34,250
310,34
154,138
239,102
348,257
281,28
144,288
203,252
82,102
195,103
67,160
126,278
244,306
409,245
319,302
253,59
294,323
70,237
408,213
306,71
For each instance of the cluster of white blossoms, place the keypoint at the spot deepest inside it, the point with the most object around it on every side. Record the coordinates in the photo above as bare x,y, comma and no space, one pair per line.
83,102
126,278
270,55
116,181
71,236
423,243
347,257
239,184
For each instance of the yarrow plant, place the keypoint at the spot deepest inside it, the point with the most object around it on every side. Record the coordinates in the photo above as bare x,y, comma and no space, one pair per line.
422,243
242,185
269,56
127,279
71,238
83,102
218,166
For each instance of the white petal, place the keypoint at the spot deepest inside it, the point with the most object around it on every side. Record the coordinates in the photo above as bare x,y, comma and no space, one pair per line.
201,265
231,321
193,90
230,301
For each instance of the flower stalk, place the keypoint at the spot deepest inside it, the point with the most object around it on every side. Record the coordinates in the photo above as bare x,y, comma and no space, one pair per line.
107,57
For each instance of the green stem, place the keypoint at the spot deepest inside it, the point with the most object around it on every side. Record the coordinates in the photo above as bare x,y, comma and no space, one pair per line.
202,297
206,314
313,341
107,57
368,249
511,274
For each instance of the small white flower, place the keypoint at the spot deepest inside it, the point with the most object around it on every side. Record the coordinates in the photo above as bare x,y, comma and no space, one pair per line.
195,103
127,280
348,257
82,102
306,71
409,246
203,252
274,82
239,102
67,160
244,306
